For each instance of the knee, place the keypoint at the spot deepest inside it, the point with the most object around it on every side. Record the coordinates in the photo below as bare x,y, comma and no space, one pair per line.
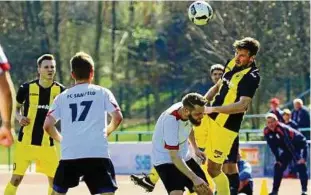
16,180
176,192
213,172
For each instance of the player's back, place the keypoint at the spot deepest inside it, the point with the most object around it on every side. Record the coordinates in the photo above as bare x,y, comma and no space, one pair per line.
83,114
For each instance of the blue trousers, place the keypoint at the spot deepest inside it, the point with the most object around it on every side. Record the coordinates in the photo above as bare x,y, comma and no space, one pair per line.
279,170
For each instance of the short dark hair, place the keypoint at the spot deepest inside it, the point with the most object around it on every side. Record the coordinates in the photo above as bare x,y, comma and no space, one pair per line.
248,43
217,67
44,57
82,65
192,99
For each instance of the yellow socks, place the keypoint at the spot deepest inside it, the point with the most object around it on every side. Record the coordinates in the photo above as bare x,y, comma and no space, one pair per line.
153,175
50,190
10,189
222,184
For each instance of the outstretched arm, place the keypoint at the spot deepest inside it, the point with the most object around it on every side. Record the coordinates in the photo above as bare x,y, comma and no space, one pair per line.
238,107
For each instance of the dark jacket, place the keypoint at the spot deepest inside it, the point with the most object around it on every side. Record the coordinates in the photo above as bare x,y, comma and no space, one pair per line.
286,140
292,124
301,117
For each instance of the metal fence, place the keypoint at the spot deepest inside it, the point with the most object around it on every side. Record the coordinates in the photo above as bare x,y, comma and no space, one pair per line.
246,132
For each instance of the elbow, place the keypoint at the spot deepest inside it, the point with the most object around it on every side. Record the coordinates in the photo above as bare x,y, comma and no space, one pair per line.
46,127
239,109
116,121
119,119
243,107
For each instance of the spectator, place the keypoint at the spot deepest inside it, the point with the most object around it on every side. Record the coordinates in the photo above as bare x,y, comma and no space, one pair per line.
288,121
275,109
286,144
301,116
245,174
287,114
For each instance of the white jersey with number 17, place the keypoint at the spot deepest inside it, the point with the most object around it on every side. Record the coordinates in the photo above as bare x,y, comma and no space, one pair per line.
82,111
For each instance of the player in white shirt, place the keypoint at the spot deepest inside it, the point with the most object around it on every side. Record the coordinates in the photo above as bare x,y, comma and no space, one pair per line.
171,156
82,110
6,103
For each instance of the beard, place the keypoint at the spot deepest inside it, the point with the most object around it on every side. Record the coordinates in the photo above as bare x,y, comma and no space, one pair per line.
193,121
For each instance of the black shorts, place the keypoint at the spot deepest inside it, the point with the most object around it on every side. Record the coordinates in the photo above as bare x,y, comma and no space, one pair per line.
233,155
99,175
173,179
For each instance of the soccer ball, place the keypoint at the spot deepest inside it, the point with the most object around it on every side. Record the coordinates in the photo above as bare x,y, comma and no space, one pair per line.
200,12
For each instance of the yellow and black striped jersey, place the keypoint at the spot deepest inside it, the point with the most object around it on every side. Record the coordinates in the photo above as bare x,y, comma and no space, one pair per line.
36,101
236,82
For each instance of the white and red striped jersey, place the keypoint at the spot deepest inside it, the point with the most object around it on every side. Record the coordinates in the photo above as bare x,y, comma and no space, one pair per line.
82,111
171,133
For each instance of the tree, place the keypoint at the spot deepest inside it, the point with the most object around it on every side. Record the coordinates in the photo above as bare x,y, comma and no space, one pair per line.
56,48
98,34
